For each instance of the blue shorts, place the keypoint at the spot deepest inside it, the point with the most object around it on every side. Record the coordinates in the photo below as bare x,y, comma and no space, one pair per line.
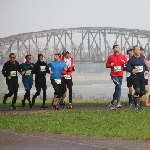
28,85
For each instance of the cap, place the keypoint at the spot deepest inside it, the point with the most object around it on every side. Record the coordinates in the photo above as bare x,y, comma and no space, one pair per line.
129,51
141,48
68,51
58,54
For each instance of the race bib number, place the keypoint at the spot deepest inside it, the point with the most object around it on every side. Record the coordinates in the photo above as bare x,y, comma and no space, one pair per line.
117,68
13,73
58,81
28,73
67,76
42,68
139,68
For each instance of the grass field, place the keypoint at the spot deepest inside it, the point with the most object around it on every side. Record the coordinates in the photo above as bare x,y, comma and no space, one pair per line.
126,124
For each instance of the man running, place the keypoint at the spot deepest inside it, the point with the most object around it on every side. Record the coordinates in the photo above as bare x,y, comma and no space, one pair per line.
56,75
27,78
9,71
40,69
129,80
116,62
67,79
136,66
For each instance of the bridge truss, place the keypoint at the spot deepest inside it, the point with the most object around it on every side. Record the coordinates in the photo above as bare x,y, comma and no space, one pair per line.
86,43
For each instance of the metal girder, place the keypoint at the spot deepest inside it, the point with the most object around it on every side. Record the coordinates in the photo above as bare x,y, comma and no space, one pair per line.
62,37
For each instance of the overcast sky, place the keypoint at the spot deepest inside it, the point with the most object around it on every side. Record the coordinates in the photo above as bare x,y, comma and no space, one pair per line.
21,16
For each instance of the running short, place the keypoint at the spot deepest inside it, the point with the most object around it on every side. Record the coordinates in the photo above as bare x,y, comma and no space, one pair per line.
146,81
129,82
28,85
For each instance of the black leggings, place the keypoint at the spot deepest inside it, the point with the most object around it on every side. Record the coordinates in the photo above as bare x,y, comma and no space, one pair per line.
13,90
69,84
40,86
57,88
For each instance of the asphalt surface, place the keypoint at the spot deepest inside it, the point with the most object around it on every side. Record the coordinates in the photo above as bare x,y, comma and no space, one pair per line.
16,140
13,140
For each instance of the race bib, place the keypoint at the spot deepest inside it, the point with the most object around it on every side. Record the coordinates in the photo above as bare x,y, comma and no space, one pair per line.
42,68
13,73
28,73
139,68
117,68
67,76
58,81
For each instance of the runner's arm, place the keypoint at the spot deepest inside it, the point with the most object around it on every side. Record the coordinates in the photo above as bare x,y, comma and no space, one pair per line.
147,64
128,66
108,63
4,70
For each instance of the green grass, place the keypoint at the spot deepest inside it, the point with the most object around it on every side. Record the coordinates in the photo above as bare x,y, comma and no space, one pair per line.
126,124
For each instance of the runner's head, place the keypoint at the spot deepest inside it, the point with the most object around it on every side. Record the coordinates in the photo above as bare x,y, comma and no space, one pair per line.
142,50
130,52
68,54
136,50
57,56
40,57
116,49
64,53
12,57
28,58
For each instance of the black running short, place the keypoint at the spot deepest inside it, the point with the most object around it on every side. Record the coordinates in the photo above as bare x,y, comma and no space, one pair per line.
129,82
146,81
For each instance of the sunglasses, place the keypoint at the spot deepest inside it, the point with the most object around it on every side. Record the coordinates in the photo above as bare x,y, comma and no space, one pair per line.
13,57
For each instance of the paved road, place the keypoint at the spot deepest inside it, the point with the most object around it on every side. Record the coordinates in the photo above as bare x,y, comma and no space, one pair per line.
13,140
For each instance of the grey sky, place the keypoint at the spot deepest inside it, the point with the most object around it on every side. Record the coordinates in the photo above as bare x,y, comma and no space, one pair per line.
21,16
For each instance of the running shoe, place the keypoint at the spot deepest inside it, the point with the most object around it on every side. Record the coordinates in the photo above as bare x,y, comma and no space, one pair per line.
56,107
63,105
70,106
23,103
138,107
30,104
113,107
13,107
131,105
119,106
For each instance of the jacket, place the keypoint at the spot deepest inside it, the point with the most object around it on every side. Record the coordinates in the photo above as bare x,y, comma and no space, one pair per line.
11,69
118,67
70,68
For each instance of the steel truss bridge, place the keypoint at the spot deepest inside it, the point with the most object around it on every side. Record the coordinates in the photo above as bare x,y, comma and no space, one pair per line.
86,44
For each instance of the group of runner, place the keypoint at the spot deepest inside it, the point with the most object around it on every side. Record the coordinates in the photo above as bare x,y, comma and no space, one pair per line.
137,69
60,77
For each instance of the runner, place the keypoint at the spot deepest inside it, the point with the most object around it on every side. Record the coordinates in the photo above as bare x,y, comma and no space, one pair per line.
136,66
27,78
40,69
9,71
116,62
56,74
129,80
67,79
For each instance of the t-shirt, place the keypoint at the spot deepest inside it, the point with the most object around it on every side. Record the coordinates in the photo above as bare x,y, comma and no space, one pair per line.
57,68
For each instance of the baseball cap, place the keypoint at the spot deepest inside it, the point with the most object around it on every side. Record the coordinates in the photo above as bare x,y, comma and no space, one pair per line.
68,51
